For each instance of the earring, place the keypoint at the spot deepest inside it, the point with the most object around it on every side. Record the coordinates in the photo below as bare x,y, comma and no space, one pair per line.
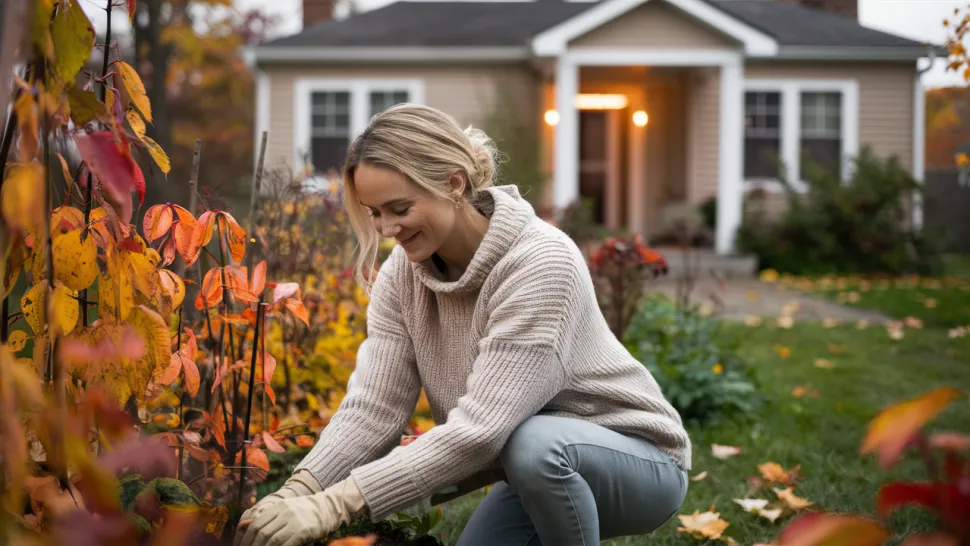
457,204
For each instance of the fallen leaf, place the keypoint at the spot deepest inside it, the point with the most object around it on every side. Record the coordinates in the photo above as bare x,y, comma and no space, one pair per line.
785,322
830,322
824,364
759,507
699,477
708,525
774,472
929,303
893,428
752,321
792,501
724,452
783,351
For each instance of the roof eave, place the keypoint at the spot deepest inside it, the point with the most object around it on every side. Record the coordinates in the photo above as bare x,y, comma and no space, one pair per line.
415,54
854,53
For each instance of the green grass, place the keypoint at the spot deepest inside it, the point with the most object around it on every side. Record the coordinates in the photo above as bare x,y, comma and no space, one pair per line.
822,434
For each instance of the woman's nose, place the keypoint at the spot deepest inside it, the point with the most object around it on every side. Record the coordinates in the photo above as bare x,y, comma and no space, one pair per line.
388,227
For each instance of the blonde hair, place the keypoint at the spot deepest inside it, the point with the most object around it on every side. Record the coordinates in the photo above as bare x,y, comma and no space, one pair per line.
425,145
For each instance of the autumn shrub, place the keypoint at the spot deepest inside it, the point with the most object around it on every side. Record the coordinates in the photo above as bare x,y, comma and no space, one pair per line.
621,268
695,361
860,225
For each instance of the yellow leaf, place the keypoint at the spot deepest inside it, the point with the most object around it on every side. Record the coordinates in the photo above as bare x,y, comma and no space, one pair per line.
15,254
17,340
43,9
116,290
32,305
149,325
73,38
64,309
66,172
144,273
892,429
135,89
158,154
137,124
75,260
22,196
173,286
708,525
793,501
85,106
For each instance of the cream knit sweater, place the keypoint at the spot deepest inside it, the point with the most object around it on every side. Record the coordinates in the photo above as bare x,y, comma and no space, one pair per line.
519,333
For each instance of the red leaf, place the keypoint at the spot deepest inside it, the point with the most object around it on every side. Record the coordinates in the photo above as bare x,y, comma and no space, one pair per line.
200,236
107,159
131,10
192,378
238,282
211,293
271,443
191,347
818,529
235,236
218,426
139,182
298,309
157,222
259,278
893,429
944,499
171,373
284,290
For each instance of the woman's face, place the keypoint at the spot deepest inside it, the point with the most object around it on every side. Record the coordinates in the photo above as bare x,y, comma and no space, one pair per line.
401,209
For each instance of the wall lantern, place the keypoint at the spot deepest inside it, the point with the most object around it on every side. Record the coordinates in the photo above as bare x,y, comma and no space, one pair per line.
551,117
640,118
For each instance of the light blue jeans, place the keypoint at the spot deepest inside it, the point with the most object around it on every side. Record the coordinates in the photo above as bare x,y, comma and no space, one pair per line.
570,482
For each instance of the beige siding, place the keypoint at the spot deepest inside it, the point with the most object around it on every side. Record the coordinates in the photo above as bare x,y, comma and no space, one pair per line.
657,25
703,115
466,92
885,98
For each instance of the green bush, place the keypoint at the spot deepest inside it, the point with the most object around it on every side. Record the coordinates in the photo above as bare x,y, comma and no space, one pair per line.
860,226
694,361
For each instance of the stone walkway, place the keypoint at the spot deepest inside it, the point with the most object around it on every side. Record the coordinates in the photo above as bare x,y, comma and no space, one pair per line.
738,299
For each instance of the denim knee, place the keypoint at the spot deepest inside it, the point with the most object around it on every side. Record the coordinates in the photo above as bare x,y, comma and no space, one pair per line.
534,453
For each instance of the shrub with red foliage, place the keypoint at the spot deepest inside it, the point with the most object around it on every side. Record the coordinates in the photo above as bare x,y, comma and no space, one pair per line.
621,268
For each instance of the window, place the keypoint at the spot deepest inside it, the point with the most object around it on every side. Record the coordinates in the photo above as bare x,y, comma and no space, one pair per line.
382,100
329,128
820,139
329,113
762,134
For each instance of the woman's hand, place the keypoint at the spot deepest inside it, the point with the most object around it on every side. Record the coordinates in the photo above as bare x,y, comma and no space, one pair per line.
300,484
296,521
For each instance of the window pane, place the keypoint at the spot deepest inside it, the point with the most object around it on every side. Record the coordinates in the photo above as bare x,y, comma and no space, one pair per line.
821,115
761,156
825,152
330,114
762,114
382,100
328,152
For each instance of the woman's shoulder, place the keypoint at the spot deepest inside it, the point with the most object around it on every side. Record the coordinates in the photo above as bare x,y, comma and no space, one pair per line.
543,248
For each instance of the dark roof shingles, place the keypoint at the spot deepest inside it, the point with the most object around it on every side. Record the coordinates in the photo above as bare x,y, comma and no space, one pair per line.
486,24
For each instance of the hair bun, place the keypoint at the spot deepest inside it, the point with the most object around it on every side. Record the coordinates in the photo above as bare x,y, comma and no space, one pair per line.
485,156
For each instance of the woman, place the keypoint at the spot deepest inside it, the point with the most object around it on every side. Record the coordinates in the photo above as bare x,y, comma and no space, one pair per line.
491,310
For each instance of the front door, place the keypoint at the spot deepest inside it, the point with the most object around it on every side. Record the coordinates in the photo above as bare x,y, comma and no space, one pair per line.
593,160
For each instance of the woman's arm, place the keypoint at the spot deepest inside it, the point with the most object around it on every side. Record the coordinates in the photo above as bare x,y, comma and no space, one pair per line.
519,369
381,393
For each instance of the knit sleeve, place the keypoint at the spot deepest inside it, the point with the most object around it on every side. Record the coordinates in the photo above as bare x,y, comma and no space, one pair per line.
518,370
381,393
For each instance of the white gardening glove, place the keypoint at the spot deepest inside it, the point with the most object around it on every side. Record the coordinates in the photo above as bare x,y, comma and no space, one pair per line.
300,484
296,521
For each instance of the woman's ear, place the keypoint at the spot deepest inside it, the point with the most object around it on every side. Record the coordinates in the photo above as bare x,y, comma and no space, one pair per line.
457,182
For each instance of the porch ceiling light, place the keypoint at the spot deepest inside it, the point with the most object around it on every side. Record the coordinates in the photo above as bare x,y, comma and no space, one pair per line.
640,118
601,102
551,117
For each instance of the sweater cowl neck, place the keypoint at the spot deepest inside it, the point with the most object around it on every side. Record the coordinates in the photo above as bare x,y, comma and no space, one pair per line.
508,215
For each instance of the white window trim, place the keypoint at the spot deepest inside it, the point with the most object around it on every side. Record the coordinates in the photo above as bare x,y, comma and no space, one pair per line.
791,121
359,89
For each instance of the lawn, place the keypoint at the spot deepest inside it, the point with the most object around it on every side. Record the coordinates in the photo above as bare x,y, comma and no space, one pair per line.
820,433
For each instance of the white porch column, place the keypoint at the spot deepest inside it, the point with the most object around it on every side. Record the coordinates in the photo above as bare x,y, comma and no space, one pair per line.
613,121
730,186
566,174
919,150
262,112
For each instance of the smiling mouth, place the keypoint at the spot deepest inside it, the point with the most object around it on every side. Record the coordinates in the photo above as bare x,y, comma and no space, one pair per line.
410,239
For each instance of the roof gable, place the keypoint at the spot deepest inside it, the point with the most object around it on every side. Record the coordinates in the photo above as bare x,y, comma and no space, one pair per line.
554,41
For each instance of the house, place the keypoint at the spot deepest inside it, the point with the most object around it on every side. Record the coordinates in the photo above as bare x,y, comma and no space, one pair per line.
644,106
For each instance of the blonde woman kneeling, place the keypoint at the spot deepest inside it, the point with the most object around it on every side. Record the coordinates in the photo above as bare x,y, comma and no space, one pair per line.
492,311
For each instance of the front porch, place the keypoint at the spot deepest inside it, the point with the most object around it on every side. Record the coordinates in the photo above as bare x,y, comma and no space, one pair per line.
646,136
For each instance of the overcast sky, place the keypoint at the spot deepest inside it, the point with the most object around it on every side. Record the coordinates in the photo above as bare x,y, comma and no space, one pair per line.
915,19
